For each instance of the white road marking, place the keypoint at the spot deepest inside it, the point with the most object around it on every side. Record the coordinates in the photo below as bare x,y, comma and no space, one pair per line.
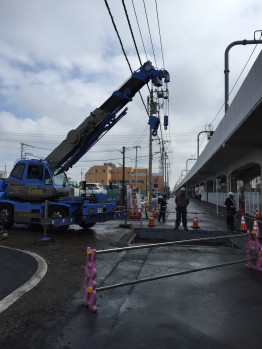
27,286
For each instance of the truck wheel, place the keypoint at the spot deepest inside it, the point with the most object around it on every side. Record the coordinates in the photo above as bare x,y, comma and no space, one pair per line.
57,212
6,215
87,226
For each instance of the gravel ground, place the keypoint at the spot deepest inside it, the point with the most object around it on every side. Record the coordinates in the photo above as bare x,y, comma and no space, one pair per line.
66,259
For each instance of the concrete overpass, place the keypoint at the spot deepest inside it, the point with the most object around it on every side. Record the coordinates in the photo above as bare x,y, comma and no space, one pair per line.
233,156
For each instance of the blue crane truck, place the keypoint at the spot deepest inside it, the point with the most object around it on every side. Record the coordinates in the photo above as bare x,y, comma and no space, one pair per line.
34,183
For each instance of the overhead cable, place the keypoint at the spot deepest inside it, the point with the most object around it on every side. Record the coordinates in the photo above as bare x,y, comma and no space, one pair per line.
139,29
133,37
119,38
150,32
160,35
131,30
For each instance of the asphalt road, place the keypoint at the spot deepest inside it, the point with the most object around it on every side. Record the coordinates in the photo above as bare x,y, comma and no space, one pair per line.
219,308
16,268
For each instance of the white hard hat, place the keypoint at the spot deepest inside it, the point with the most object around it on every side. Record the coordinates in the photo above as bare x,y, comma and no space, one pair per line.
230,193
182,189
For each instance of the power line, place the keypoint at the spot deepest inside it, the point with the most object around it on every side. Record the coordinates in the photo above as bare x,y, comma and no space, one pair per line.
121,43
133,37
139,29
149,32
131,30
160,35
119,38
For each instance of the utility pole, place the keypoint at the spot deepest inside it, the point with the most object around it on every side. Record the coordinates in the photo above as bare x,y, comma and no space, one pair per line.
168,167
150,107
82,172
123,179
165,177
163,165
146,182
136,147
22,149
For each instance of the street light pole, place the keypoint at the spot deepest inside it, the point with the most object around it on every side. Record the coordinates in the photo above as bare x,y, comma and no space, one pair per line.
187,164
226,71
209,132
198,142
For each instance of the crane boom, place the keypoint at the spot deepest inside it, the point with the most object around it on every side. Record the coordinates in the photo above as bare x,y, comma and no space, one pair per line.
102,119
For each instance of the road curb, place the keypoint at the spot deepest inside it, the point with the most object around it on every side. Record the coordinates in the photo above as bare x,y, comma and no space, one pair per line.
27,286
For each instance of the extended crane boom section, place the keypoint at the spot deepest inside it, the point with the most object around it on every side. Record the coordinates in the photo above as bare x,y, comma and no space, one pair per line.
81,139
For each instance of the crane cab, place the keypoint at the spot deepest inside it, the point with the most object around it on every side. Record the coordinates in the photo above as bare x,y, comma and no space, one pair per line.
33,180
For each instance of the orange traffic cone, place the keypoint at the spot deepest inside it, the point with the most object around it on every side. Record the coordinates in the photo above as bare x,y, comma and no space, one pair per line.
243,226
195,222
240,208
255,228
151,222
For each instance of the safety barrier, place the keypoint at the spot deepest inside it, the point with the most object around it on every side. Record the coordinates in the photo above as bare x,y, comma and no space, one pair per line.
250,202
90,291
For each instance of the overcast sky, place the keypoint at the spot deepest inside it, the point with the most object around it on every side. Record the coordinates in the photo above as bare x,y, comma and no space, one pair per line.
61,59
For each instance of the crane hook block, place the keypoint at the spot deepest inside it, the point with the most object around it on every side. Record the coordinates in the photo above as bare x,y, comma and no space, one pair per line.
165,121
154,122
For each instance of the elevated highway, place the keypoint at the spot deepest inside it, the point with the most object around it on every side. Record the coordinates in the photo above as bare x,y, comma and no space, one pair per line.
233,156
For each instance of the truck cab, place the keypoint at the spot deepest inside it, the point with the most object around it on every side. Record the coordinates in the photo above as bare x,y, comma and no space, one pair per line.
33,180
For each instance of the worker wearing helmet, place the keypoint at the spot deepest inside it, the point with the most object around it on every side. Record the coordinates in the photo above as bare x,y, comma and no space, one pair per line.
182,202
162,209
231,210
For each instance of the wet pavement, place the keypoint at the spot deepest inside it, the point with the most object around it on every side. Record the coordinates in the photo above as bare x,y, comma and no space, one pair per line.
218,308
16,268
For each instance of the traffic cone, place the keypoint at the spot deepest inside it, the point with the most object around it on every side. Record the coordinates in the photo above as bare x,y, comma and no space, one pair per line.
155,213
243,226
195,222
256,228
151,222
240,208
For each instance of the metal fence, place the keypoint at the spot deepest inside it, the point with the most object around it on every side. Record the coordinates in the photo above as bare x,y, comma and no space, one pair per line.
250,203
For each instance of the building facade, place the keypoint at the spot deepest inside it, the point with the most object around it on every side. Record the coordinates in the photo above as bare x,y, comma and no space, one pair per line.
4,174
104,174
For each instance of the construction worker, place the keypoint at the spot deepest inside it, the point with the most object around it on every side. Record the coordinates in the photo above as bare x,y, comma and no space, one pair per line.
162,210
182,202
231,210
